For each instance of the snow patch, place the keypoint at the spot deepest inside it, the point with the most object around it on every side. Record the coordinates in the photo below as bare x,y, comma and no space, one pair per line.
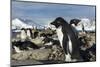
18,24
88,25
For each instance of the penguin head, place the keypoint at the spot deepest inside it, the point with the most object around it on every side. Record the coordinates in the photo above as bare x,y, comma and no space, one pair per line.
75,21
59,21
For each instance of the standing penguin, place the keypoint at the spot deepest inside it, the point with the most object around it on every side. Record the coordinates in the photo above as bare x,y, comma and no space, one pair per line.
77,22
74,23
29,33
68,39
23,34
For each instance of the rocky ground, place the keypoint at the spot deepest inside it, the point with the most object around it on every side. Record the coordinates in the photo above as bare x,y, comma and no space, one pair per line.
39,56
49,55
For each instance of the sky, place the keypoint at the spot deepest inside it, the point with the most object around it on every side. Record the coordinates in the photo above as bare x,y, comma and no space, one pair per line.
44,13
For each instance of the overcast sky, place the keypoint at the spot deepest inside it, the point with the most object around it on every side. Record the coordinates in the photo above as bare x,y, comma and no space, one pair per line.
43,13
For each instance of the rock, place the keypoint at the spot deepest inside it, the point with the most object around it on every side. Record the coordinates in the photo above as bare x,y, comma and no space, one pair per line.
55,54
21,56
38,41
39,54
88,49
88,40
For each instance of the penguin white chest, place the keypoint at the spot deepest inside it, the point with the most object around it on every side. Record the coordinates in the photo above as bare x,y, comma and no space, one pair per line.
28,33
60,34
23,35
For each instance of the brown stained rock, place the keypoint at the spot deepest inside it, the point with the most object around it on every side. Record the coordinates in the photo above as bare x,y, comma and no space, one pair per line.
39,54
55,53
20,56
38,41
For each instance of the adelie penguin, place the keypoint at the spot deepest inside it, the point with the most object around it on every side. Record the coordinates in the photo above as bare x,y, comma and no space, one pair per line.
29,33
76,22
68,39
23,34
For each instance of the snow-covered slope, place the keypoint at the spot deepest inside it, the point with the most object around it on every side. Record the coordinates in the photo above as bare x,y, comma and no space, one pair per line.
88,25
18,24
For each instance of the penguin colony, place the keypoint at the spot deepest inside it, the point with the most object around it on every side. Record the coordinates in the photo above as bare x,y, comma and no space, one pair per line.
63,35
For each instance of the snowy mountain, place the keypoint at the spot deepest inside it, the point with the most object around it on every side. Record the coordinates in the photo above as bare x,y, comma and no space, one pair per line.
88,25
34,24
18,24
